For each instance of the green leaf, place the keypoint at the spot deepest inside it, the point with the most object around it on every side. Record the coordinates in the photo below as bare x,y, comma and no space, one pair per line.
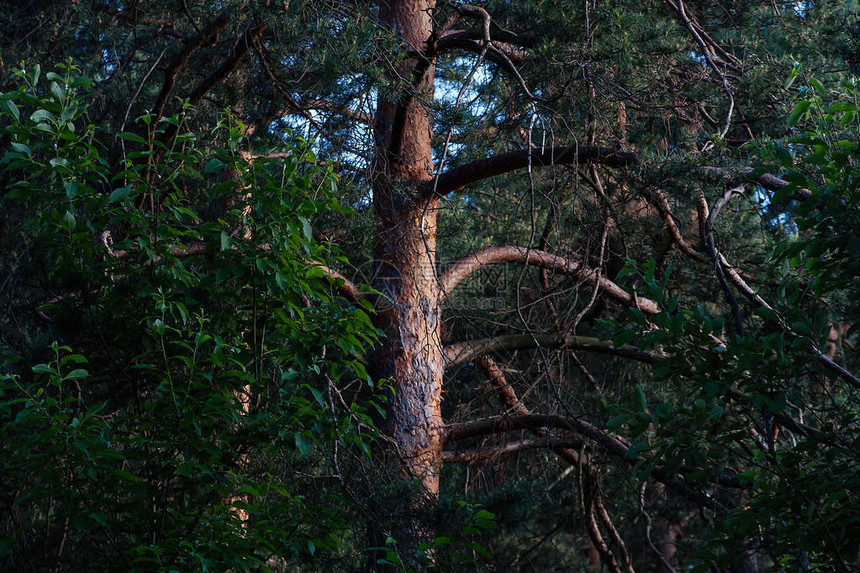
58,92
783,156
125,476
214,165
128,136
60,162
76,374
226,241
796,113
791,78
21,148
716,412
306,227
640,402
71,188
13,109
819,87
35,73
617,422
69,222
766,313
121,194
302,444
42,369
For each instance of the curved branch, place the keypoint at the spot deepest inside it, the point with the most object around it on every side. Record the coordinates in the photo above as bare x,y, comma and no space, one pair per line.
466,351
459,177
501,54
512,254
470,350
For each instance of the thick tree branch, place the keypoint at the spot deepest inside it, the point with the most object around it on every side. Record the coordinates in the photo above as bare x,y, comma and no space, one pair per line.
516,41
512,254
509,397
471,350
503,55
459,177
606,554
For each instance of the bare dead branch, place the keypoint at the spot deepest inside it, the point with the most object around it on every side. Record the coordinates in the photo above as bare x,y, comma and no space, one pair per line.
565,451
507,393
827,362
515,40
501,424
610,443
708,47
593,529
135,18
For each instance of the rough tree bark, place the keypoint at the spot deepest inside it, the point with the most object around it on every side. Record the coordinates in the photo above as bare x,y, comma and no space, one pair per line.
410,354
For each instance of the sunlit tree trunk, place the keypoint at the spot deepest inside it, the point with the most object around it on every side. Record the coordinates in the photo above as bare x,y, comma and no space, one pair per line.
410,355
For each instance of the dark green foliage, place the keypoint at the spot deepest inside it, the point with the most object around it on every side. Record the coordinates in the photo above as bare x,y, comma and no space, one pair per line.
197,408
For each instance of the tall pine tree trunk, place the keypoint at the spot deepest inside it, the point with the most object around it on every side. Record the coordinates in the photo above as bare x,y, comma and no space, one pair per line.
410,355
